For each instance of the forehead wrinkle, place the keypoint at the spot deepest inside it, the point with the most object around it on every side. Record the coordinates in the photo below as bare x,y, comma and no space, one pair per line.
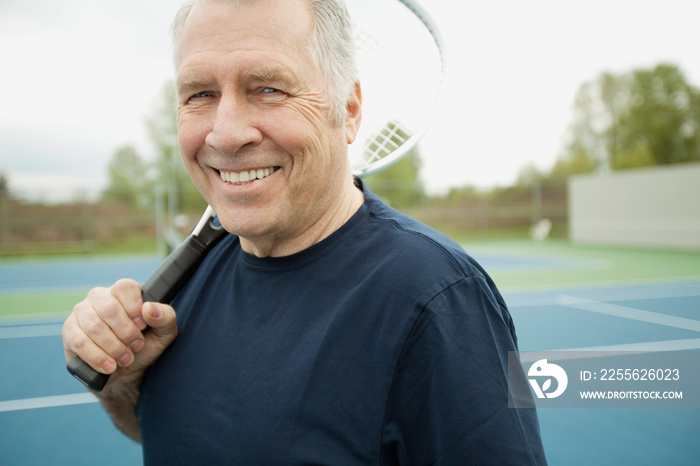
183,84
186,83
271,75
265,75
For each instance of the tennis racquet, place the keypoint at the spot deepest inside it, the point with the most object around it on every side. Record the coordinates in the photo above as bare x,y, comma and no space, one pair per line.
163,285
402,69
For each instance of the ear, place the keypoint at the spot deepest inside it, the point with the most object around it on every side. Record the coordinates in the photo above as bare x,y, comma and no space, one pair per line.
354,114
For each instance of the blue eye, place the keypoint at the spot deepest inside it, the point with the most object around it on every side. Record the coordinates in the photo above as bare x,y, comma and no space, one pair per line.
270,90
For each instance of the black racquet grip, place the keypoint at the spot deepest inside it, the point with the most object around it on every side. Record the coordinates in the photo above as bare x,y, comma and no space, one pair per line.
161,287
173,273
87,375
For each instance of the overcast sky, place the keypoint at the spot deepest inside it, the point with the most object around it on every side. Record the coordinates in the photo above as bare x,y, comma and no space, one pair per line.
80,77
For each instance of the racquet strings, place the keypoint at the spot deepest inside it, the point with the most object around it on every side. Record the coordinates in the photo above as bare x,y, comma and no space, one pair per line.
402,73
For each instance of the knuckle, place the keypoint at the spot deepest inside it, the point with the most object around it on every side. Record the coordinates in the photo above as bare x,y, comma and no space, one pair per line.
110,310
94,293
124,285
79,343
95,327
68,325
127,337
128,293
79,308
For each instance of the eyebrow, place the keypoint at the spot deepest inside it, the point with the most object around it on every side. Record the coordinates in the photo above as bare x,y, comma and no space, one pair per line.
183,85
266,75
272,75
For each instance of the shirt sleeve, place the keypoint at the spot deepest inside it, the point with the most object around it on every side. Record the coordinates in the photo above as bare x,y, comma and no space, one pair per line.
449,398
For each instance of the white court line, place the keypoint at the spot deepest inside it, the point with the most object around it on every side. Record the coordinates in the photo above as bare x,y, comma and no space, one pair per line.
628,292
30,331
645,347
47,402
629,313
656,291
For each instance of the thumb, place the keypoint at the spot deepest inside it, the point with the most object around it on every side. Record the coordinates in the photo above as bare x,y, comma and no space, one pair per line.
162,331
162,320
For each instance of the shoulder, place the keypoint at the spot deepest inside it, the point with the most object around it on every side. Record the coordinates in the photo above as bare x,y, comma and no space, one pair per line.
420,251
409,232
209,278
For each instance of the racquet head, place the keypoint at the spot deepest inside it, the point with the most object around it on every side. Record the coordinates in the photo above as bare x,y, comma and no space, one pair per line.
401,64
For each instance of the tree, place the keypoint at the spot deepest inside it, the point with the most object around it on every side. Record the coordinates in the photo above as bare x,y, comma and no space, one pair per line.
575,161
171,173
528,176
594,112
644,117
460,195
4,186
128,182
662,123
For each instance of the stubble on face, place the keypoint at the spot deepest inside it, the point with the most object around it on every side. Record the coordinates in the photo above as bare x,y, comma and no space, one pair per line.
251,98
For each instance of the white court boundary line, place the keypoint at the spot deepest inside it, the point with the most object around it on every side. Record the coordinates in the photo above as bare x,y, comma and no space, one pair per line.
47,402
609,294
573,302
30,331
604,351
629,313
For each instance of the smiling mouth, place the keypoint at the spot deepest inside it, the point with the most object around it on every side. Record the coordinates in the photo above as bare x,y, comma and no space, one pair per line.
246,177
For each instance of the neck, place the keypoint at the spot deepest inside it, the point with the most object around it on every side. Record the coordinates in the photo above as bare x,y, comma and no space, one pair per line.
346,205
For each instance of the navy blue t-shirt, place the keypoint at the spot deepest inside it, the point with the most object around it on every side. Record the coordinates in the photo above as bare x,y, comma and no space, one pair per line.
383,344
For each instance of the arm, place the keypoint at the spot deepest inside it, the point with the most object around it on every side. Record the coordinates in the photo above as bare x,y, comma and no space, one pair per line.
107,331
449,398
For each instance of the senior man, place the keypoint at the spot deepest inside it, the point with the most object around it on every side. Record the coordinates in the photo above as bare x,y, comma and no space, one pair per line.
326,328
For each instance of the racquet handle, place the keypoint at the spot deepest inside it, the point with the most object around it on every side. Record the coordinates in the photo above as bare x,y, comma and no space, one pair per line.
164,284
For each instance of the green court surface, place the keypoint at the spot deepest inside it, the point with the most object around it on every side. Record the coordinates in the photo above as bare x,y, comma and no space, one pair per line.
37,305
528,265
514,265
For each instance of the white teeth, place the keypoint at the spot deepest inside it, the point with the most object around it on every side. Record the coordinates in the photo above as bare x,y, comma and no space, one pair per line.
245,177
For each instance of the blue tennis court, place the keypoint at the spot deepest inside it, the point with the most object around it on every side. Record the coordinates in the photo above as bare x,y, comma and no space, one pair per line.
47,418
73,274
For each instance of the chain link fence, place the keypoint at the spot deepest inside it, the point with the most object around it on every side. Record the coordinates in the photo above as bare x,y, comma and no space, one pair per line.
91,226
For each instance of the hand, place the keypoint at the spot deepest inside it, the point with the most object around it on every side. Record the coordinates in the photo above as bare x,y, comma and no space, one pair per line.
106,330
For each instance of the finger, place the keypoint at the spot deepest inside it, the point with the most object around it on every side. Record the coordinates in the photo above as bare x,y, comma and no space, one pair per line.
128,292
77,343
121,311
103,320
163,331
162,320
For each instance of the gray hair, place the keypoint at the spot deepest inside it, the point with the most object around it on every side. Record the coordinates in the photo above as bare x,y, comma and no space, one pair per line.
331,46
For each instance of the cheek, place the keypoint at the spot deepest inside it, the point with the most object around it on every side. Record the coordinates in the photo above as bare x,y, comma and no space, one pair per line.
308,136
304,126
190,138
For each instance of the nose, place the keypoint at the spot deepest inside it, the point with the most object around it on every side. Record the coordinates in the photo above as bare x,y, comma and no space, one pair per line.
234,127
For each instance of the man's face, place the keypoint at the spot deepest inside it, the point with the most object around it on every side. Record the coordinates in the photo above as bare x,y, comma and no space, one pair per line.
253,122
